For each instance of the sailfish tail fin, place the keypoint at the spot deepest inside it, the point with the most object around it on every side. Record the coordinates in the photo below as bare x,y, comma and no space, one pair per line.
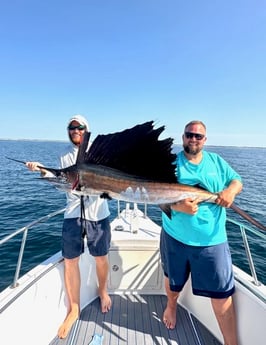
248,217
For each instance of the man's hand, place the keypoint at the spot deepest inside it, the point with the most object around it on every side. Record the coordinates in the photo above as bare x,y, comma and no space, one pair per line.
189,206
227,196
36,166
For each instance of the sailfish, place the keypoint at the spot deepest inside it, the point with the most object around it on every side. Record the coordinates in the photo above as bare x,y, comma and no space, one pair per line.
132,166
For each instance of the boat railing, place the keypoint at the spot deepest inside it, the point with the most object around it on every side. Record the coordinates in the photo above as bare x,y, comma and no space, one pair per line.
245,230
24,230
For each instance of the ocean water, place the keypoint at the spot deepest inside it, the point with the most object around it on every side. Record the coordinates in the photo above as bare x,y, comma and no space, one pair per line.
25,198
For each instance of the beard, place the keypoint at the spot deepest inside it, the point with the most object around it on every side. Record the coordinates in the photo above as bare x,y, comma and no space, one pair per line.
75,139
192,150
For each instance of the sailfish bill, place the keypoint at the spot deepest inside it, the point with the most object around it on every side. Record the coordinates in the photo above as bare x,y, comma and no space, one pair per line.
133,166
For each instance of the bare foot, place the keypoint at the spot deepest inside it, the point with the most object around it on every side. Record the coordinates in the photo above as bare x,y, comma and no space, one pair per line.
106,302
67,324
169,317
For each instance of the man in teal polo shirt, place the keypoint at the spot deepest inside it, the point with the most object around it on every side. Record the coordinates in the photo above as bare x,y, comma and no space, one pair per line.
194,240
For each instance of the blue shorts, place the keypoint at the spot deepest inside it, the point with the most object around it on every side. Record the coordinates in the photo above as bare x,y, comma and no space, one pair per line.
98,237
210,267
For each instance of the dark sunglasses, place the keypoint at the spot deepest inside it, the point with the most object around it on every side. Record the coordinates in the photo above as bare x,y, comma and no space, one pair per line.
190,135
79,127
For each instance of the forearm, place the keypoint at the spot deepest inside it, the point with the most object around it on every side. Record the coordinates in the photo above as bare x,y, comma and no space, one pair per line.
227,196
235,187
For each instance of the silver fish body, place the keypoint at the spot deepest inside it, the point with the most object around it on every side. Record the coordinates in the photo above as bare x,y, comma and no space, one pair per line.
94,179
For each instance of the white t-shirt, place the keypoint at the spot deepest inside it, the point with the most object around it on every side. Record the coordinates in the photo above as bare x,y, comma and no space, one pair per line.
96,208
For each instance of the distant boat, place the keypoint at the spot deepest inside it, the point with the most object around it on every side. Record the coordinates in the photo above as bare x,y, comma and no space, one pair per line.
34,306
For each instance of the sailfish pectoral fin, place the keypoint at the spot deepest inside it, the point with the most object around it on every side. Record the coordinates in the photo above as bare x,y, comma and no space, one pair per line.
246,216
105,196
166,208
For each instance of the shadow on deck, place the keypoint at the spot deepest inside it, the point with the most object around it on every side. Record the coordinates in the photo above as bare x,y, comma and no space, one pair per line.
135,320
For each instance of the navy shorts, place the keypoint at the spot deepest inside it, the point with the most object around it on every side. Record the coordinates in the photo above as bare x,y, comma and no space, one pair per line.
210,267
98,237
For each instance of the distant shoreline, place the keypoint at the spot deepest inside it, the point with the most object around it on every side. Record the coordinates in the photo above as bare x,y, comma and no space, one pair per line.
175,145
39,140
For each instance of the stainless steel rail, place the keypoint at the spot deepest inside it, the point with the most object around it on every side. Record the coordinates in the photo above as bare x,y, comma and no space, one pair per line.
244,231
24,238
243,228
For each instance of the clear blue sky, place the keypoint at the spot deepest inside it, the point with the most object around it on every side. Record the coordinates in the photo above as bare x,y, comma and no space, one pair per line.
123,62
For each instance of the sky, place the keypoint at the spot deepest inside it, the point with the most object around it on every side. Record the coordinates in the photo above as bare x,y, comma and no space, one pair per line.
124,62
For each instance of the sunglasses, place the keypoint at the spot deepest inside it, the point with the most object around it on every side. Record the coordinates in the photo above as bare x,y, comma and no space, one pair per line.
190,135
79,127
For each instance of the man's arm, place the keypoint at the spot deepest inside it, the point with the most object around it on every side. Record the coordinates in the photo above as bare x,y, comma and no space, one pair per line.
36,166
227,196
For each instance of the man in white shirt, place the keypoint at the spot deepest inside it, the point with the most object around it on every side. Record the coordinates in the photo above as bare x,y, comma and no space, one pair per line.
95,225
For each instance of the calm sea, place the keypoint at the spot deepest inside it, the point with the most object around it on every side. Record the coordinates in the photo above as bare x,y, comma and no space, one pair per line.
24,198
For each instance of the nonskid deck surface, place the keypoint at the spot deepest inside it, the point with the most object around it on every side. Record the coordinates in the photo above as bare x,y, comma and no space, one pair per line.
135,320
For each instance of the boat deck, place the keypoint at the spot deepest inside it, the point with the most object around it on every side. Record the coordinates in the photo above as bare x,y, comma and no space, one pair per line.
135,319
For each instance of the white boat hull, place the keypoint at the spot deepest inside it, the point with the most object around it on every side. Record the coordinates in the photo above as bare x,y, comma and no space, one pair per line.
38,305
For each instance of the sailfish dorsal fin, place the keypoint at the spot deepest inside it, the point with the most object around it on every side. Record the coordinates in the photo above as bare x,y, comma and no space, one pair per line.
83,148
136,151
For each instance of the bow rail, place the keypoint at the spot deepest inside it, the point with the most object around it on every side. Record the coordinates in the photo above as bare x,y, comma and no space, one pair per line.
244,229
